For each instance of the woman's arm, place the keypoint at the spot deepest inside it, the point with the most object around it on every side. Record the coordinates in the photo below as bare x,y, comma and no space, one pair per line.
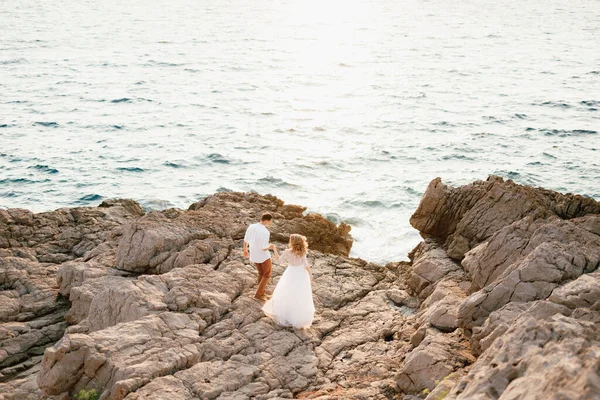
306,266
275,253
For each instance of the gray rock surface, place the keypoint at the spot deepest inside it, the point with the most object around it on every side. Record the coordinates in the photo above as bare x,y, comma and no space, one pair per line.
500,301
531,300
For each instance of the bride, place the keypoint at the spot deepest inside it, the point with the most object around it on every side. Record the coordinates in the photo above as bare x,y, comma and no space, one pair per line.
292,301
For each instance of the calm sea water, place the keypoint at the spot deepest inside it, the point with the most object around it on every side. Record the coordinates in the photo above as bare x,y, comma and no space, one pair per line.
347,107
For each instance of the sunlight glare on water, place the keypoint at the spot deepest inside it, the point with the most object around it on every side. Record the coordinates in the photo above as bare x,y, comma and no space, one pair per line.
347,107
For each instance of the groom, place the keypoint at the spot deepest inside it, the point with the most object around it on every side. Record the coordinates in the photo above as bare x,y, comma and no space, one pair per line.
257,239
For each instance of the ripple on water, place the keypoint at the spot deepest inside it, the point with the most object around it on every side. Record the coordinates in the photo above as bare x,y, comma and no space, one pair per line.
155,204
20,181
275,182
508,174
49,124
122,100
90,197
44,168
590,103
567,133
130,169
372,204
174,164
215,158
456,156
556,104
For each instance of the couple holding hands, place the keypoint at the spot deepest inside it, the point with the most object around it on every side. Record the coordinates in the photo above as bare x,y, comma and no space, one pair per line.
291,303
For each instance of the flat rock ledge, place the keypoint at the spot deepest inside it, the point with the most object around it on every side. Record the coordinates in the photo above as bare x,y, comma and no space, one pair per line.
501,300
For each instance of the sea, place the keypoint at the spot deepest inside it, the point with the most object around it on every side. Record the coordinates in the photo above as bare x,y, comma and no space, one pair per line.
349,108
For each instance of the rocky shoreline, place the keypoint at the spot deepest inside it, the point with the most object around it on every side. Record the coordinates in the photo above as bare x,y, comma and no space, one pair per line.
501,300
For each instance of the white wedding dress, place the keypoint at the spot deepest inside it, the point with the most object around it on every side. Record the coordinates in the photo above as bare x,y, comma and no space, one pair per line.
292,302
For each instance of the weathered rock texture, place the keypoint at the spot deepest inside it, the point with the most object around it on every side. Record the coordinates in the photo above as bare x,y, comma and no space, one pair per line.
500,301
514,270
159,306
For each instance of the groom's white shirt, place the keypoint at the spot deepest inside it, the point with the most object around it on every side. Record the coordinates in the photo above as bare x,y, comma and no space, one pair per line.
257,236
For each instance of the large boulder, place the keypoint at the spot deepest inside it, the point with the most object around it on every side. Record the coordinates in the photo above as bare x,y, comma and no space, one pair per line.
530,299
466,216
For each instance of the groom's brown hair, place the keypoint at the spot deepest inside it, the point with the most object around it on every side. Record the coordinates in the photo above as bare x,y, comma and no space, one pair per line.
266,217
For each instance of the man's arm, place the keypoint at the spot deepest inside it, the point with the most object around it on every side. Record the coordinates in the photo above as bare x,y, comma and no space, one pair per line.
246,239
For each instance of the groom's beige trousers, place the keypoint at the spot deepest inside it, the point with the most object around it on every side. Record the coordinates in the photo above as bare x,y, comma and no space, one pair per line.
264,274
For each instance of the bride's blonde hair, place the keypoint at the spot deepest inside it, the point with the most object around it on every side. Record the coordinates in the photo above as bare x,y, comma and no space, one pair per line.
298,244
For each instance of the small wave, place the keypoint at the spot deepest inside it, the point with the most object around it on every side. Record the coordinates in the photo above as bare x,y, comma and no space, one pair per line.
20,181
44,168
122,100
520,116
558,104
567,133
130,169
118,127
508,174
443,123
218,158
13,61
457,157
590,103
164,64
8,194
549,155
372,204
584,132
91,197
413,191
155,204
333,217
46,124
4,125
272,181
173,165
224,190
12,159
355,221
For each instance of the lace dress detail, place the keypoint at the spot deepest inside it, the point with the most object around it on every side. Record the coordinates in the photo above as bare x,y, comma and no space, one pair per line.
293,259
